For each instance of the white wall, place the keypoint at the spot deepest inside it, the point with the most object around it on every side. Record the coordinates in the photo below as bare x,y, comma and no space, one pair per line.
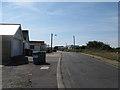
17,43
1,62
0,50
16,47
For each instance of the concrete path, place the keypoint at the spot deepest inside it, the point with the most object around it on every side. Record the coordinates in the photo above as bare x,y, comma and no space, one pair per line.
44,76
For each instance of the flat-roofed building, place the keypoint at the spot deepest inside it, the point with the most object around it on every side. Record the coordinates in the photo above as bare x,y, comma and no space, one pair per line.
38,45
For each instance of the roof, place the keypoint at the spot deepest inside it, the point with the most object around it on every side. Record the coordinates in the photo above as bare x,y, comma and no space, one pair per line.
8,29
36,41
25,30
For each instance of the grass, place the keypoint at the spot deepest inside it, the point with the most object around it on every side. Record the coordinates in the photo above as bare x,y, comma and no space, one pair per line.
104,54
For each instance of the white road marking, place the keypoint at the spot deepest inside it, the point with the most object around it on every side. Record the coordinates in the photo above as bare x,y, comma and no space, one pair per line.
59,75
44,67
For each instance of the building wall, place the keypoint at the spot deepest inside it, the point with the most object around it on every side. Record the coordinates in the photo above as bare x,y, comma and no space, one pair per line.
26,39
6,48
10,47
26,43
18,34
35,46
43,47
38,47
17,43
0,49
16,47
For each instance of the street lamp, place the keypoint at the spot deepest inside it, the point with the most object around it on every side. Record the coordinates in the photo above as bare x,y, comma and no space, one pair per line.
74,43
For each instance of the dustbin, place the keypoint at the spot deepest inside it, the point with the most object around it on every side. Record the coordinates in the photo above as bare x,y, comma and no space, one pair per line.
36,57
42,57
39,57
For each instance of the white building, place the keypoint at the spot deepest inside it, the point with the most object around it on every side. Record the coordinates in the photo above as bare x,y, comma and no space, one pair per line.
12,41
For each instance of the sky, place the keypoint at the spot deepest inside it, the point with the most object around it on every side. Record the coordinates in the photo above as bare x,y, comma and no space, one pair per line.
87,21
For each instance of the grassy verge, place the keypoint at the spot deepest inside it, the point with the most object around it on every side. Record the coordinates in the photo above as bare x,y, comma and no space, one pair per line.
104,54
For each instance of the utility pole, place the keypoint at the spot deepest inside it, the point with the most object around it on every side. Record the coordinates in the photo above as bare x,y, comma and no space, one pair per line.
74,42
51,41
66,44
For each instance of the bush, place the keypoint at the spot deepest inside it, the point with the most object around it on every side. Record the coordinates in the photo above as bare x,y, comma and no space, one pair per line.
98,45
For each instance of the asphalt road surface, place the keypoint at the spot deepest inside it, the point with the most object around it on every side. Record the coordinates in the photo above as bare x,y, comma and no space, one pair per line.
81,71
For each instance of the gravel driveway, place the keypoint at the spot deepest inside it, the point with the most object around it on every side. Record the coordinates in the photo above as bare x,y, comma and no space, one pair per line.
17,76
30,75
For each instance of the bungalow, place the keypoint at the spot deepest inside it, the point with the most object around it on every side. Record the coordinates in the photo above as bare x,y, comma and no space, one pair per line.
38,46
12,41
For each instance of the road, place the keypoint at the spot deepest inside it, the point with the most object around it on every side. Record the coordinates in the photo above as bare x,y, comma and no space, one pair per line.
81,71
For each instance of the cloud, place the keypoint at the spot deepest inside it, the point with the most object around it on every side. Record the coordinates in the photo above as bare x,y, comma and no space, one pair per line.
113,42
46,30
27,5
0,12
112,19
0,16
61,0
15,18
56,12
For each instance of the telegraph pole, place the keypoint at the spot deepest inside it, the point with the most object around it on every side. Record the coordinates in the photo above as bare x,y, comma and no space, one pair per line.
66,44
51,41
74,42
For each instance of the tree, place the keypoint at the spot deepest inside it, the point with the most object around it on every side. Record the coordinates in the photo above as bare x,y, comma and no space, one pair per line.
98,45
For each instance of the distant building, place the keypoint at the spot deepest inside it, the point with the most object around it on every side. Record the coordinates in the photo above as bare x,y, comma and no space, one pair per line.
26,39
38,46
72,46
26,44
12,41
59,48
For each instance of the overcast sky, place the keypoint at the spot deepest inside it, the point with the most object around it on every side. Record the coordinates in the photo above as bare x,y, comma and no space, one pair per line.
87,21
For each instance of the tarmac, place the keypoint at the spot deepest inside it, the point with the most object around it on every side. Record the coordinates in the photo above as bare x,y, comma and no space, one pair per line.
31,75
44,76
